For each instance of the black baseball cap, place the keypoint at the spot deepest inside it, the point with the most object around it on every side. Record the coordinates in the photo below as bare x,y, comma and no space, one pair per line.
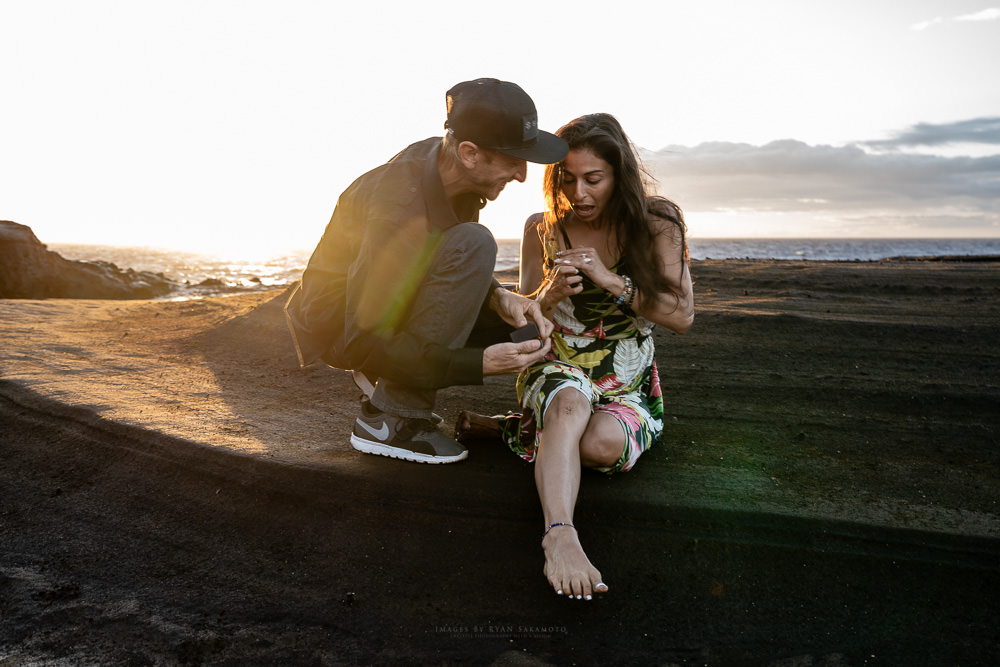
500,116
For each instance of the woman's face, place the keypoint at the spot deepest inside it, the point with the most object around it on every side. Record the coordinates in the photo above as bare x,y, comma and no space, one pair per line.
588,182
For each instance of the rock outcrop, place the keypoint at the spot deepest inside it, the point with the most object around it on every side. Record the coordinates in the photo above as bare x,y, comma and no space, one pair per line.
29,270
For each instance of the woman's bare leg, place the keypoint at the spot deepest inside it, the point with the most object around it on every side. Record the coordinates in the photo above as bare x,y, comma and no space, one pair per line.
603,442
557,477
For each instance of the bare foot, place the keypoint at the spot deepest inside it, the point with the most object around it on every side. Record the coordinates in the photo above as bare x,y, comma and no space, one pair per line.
567,567
472,426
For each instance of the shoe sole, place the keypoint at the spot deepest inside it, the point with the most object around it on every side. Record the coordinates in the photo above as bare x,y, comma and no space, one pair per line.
382,449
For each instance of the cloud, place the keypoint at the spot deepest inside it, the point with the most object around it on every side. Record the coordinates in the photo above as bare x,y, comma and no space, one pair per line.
973,131
991,14
923,25
830,182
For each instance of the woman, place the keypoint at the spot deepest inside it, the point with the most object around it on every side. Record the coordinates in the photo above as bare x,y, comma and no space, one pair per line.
605,262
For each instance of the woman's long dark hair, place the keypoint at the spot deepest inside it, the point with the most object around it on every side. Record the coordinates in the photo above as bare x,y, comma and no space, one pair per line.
627,208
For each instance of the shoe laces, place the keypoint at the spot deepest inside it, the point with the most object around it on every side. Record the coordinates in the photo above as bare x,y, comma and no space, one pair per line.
415,425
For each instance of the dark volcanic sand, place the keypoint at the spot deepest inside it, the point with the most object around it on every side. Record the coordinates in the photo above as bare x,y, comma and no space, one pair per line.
173,490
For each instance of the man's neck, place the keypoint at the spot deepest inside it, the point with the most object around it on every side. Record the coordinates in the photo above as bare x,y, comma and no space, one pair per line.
453,178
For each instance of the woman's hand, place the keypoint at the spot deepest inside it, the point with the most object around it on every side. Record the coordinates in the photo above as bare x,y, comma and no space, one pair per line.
588,262
564,281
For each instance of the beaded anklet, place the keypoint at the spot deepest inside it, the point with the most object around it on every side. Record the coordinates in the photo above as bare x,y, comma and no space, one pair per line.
556,525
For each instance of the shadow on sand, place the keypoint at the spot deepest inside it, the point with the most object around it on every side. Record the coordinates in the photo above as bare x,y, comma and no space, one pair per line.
124,546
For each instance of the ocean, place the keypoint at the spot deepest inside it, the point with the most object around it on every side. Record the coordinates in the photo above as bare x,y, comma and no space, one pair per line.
235,274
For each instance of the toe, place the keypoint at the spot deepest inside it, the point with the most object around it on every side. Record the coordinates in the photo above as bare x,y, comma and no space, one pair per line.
556,585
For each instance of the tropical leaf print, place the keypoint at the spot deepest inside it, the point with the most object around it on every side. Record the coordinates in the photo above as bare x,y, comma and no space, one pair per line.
607,356
628,362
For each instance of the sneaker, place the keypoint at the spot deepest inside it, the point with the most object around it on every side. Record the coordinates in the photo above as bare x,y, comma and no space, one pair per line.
410,439
367,388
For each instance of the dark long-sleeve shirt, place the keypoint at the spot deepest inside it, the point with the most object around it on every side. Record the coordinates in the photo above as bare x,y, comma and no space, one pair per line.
350,307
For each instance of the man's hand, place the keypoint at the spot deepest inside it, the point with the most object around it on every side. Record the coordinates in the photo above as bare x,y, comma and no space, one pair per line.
516,310
505,358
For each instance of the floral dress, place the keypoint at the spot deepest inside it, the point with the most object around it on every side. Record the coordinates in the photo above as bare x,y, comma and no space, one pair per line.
602,353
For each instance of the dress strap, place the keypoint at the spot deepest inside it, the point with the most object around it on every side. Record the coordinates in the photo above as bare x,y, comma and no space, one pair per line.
564,235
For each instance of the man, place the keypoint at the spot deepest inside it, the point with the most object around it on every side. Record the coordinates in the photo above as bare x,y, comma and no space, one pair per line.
404,273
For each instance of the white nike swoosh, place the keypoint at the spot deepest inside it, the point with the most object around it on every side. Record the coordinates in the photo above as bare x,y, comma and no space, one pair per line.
381,433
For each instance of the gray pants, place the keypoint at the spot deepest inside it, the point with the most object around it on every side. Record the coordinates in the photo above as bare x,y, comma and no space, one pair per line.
445,308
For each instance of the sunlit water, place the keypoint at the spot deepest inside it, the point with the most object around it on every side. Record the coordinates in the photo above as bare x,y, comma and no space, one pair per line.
228,274
838,249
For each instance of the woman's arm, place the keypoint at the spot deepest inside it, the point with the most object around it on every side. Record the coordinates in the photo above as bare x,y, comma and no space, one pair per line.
532,273
548,291
673,308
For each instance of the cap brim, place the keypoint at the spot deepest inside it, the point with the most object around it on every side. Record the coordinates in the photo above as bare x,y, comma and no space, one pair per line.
548,149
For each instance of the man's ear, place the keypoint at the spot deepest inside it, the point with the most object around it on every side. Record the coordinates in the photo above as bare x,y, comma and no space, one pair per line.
469,154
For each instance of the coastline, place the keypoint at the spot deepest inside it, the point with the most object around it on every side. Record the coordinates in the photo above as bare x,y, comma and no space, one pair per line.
833,413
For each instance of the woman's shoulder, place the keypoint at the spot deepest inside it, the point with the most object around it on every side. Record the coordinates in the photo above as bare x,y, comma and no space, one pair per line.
661,210
534,227
534,221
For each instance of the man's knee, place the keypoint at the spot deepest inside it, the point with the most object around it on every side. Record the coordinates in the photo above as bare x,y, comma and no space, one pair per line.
473,242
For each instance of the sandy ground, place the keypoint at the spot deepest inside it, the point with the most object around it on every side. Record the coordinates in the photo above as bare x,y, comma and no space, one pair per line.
175,490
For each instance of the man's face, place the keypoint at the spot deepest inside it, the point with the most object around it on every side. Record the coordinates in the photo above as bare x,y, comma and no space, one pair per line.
495,170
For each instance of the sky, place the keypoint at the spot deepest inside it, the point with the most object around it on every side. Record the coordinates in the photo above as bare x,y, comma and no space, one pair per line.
222,125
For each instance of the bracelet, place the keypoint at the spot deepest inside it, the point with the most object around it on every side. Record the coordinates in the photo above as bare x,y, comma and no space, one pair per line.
626,293
556,525
624,301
